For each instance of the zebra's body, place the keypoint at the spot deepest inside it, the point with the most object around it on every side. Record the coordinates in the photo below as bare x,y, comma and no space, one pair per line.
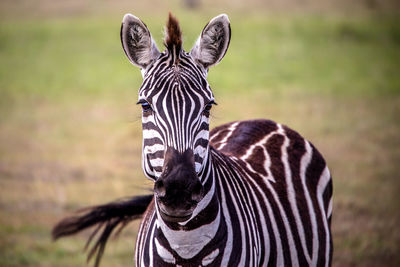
281,217
249,193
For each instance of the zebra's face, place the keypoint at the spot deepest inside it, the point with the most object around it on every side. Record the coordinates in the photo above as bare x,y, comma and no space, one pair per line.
176,100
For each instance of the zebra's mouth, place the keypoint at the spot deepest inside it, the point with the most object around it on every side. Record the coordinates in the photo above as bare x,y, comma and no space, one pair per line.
174,218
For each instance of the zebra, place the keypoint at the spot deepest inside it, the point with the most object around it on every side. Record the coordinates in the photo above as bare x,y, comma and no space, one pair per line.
247,193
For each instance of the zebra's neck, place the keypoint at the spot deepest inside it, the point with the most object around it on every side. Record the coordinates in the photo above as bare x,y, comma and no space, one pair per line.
187,239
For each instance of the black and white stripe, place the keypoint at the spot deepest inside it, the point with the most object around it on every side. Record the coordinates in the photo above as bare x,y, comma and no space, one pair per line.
177,97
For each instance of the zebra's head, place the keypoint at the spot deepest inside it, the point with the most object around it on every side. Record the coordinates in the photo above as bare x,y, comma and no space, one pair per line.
176,100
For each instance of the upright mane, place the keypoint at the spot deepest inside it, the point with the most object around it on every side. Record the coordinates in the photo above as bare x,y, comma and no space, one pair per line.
173,36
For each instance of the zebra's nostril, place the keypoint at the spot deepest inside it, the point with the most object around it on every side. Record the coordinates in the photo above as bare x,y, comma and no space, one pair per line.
159,188
197,192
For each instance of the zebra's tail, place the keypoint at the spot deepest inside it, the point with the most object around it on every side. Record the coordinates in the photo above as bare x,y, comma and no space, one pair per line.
107,218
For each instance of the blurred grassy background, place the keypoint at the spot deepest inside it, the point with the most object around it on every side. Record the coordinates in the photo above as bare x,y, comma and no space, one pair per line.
70,134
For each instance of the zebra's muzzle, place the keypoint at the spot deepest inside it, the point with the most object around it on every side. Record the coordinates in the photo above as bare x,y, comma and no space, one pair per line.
178,190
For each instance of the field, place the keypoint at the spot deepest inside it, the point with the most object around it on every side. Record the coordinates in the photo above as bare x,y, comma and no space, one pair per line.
70,132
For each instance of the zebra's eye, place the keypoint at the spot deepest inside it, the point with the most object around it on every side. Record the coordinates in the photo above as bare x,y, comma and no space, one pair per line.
208,107
146,107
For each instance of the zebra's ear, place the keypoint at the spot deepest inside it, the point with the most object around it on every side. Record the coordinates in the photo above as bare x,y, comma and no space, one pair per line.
213,42
137,42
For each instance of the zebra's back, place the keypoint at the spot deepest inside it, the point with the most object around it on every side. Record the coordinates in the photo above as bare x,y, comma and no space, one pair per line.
289,182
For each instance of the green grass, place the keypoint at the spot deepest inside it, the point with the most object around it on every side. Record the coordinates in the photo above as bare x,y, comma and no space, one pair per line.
70,133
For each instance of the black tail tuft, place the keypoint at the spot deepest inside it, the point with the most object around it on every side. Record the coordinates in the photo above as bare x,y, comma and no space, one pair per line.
110,216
